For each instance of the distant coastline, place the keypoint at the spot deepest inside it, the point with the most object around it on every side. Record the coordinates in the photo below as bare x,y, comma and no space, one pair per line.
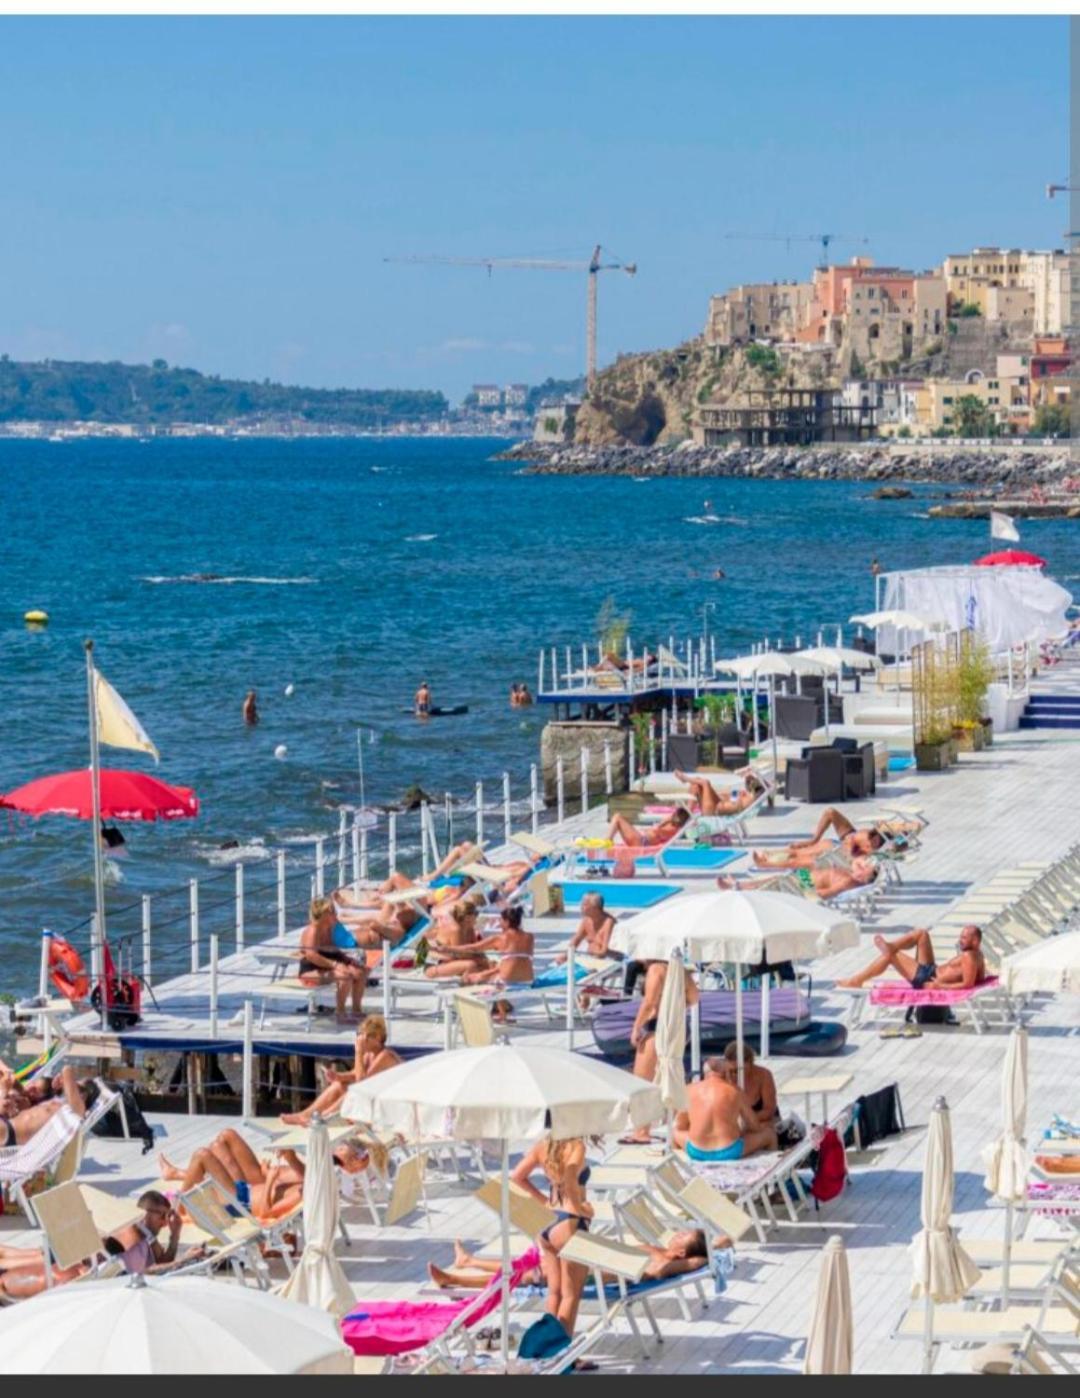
55,432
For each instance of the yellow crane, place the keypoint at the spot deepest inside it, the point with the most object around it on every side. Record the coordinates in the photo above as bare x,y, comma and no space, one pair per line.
593,267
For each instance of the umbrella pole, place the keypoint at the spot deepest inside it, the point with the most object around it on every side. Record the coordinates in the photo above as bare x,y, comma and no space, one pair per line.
1006,1253
772,724
763,1041
570,980
96,958
504,1218
739,1024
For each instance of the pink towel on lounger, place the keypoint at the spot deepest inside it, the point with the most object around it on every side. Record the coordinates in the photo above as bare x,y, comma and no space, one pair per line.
395,1327
900,993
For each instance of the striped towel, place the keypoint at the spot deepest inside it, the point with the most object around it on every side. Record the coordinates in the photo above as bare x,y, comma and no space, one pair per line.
42,1149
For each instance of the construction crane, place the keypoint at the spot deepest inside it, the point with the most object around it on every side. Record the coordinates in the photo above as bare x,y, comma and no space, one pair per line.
546,264
823,238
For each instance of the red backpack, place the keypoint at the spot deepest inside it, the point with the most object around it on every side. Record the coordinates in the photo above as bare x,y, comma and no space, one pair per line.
831,1173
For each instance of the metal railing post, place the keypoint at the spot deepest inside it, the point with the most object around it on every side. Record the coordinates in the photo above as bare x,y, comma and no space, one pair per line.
247,1091
609,785
193,904
391,835
560,792
425,863
239,905
479,813
281,893
364,860
534,798
355,839
213,985
342,846
583,759
147,969
507,818
320,875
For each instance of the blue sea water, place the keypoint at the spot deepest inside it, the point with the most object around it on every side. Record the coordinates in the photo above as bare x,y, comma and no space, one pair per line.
351,570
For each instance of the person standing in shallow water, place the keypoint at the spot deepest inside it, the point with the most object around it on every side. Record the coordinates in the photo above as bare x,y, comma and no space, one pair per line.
250,711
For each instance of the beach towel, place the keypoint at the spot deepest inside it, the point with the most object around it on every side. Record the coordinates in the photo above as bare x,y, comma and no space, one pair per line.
396,1327
42,1149
900,993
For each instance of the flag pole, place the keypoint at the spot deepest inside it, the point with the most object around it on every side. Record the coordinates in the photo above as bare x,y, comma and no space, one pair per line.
96,958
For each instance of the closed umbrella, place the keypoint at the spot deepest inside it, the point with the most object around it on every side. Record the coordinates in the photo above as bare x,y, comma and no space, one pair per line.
1006,1159
942,1270
671,1039
503,1093
168,1325
318,1279
830,1339
744,927
1051,966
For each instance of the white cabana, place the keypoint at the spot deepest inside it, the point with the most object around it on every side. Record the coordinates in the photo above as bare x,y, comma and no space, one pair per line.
168,1325
503,1093
1051,966
1006,606
744,928
837,658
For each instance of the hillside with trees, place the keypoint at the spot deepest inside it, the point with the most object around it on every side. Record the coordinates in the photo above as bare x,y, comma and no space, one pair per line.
157,395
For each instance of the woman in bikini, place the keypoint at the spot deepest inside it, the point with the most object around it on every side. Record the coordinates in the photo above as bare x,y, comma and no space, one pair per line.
711,803
269,1191
646,837
373,1055
515,963
452,948
564,1166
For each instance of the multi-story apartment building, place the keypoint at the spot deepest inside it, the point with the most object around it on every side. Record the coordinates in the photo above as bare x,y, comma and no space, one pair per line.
488,395
758,310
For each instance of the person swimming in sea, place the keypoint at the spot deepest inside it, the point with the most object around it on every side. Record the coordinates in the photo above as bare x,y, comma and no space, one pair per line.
250,710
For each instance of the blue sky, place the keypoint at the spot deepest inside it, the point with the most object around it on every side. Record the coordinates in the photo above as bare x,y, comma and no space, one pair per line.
221,192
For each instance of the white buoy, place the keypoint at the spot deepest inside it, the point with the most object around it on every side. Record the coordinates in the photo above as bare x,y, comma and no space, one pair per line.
280,751
290,689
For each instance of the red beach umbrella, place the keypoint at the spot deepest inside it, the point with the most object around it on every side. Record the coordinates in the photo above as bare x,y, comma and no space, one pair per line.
124,796
1010,558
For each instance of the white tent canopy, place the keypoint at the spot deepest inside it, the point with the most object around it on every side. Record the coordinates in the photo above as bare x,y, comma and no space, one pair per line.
1006,606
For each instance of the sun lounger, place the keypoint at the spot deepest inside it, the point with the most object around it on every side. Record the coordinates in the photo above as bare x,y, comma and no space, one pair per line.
985,1006
57,1147
1039,1355
231,1226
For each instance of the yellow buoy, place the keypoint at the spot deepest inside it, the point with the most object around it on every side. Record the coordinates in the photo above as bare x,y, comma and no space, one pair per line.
36,618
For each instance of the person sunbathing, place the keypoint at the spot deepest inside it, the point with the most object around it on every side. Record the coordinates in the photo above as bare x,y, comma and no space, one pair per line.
719,1122
966,969
515,963
759,1085
711,803
136,1246
647,836
593,931
269,1191
23,1124
452,948
373,1055
826,883
802,854
441,876
643,1031
322,961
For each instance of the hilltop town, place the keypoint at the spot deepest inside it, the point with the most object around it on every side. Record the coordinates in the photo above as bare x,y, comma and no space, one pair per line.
975,348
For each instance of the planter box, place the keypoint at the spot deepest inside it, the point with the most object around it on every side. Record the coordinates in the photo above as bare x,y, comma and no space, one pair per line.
932,757
987,726
968,739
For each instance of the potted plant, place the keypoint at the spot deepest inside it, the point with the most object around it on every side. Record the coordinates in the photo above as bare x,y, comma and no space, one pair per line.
716,710
934,750
974,673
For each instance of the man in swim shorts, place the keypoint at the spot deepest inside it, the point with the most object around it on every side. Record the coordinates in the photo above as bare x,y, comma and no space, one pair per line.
422,700
719,1122
966,969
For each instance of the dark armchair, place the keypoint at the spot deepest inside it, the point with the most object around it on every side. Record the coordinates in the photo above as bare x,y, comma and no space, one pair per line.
817,776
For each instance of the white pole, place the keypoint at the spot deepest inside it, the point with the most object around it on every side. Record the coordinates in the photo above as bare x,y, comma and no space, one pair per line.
663,740
146,942
43,969
652,746
570,983
695,1040
213,985
584,765
320,875
754,703
425,864
364,856
391,835
247,1093
584,665
97,960
630,764
504,1220
479,813
342,846
763,1041
355,841
193,903
608,783
569,668
239,905
281,893
387,994
554,670
739,1024
772,727
540,673
534,798
560,790
507,815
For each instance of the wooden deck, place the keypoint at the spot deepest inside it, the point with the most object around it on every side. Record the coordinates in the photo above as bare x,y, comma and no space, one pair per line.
1012,803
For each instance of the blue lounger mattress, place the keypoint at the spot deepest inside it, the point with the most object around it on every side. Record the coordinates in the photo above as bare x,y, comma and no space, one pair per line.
617,893
677,860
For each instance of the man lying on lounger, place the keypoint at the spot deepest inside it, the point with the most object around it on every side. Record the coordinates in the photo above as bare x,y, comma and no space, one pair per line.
966,969
826,883
801,854
719,1122
24,1124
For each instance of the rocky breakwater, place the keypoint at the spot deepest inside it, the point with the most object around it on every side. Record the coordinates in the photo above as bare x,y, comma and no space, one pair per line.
997,469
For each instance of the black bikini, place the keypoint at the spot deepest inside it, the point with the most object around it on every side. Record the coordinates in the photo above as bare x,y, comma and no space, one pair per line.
561,1215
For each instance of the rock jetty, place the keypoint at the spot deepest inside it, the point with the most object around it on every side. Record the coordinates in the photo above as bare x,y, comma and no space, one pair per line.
994,469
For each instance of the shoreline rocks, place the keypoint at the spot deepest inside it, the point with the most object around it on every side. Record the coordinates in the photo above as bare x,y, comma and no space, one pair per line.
985,468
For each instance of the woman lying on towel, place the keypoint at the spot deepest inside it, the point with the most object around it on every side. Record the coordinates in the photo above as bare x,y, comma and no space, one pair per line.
711,803
645,837
826,883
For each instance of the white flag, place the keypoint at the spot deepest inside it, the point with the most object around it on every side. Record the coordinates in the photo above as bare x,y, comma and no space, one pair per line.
1002,527
117,725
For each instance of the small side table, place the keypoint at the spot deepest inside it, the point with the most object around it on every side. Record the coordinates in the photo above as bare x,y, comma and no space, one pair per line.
831,1082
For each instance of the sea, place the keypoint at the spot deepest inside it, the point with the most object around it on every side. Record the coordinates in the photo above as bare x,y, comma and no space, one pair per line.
332,576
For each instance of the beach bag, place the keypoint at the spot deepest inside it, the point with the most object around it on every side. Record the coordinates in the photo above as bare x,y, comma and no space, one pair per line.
111,1124
830,1176
929,1014
878,1115
544,1338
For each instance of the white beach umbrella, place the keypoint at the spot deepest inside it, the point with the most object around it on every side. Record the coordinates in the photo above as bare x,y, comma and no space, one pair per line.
671,1037
898,618
318,1279
1051,966
1006,1159
744,927
830,1339
837,657
174,1325
503,1093
941,1270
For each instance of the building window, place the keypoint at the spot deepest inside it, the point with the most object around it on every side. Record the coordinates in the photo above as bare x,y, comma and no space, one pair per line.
947,401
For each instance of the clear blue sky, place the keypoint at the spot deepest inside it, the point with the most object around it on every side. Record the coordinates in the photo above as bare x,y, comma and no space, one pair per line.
221,192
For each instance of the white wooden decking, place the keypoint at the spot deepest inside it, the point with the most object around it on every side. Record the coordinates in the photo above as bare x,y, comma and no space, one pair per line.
1015,802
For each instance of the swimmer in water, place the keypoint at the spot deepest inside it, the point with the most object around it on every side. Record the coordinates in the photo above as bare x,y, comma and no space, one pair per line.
250,712
422,700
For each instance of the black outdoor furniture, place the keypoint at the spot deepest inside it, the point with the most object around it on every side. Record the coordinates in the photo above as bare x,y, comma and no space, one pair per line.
796,716
819,775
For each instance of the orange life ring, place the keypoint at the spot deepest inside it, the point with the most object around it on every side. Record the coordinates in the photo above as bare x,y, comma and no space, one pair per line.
67,970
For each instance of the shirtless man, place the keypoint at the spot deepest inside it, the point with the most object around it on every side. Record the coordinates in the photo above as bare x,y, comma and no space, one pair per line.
594,929
422,700
826,883
515,964
710,803
720,1123
250,712
965,969
322,960
801,854
78,1097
